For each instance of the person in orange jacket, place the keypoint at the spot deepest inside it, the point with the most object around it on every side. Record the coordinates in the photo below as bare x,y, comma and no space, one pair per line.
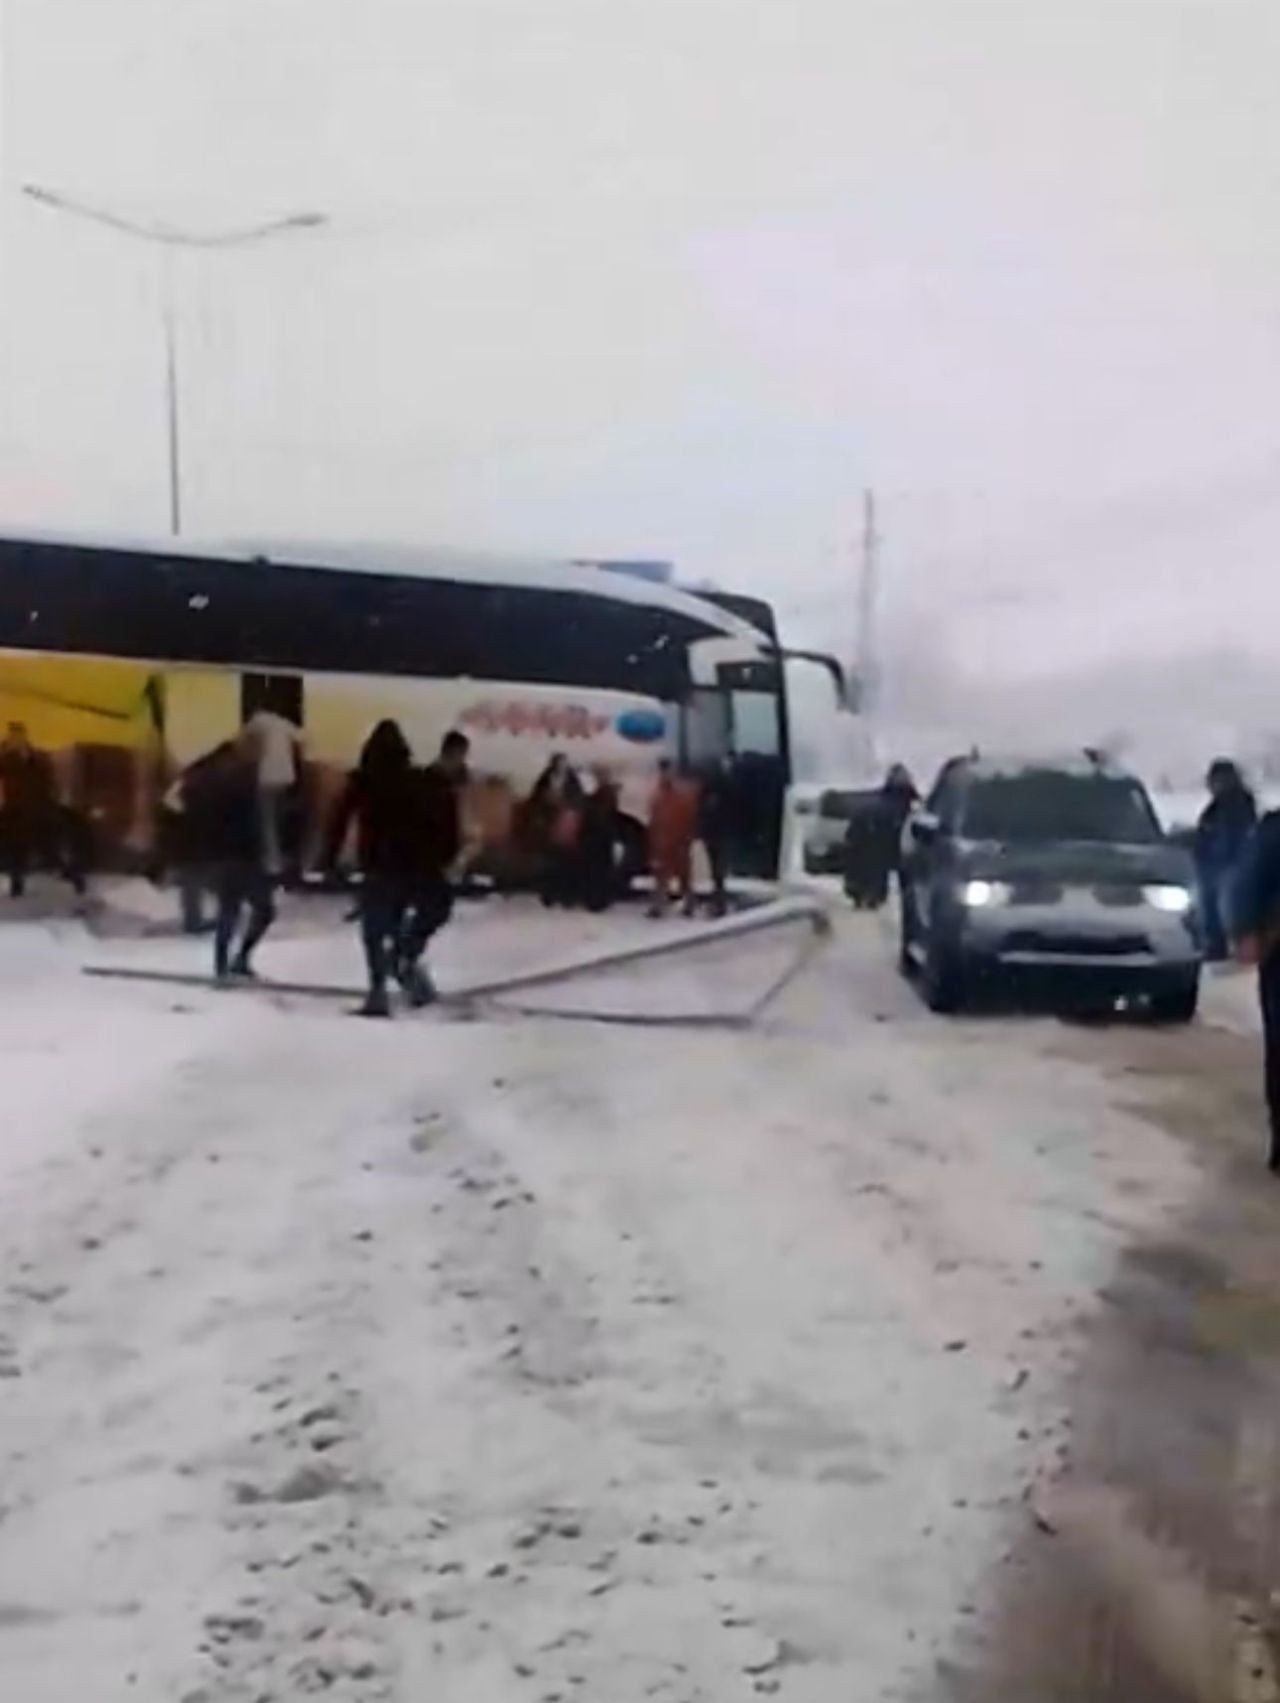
673,828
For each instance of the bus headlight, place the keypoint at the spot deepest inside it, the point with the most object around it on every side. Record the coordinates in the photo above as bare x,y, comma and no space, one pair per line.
978,895
1173,900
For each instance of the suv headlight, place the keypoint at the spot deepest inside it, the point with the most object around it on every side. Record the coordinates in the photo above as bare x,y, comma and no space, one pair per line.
1175,901
980,895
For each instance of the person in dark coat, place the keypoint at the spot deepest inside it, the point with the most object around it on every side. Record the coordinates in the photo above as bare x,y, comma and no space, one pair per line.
35,826
179,840
440,792
408,837
1255,923
27,806
598,836
873,839
1222,833
223,831
554,813
715,829
899,798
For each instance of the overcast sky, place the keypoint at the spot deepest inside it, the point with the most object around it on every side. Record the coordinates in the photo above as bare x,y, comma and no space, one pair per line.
678,278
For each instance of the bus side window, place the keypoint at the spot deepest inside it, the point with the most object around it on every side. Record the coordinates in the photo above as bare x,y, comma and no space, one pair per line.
705,727
756,724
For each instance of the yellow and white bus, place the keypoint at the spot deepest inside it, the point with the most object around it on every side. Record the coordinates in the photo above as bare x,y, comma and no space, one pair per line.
127,660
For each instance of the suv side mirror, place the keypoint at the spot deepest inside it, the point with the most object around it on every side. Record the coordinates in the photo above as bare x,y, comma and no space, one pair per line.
925,828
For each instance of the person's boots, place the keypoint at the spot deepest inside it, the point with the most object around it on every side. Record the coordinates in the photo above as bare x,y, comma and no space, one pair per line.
418,986
415,979
376,1004
243,970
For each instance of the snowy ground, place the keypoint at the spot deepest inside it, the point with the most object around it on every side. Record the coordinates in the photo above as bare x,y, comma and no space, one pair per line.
525,1359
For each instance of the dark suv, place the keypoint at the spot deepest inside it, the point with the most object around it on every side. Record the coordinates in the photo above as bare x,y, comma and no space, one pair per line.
1054,869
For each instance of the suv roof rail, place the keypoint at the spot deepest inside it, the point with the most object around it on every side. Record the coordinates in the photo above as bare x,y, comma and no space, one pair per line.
1080,760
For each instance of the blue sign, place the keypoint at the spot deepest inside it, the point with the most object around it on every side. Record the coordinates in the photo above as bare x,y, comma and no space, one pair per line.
642,727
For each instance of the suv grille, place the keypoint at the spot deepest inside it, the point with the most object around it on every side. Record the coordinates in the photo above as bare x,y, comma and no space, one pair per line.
1118,893
1078,945
1032,891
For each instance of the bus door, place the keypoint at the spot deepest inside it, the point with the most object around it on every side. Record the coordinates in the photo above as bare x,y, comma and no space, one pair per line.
760,767
736,716
282,694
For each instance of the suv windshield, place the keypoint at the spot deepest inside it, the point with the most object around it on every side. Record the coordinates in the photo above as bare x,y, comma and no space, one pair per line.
1042,806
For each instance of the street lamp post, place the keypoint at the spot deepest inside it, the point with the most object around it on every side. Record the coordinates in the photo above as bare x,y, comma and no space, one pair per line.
171,238
171,396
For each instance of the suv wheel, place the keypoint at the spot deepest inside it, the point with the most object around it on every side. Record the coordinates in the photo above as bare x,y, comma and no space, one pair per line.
906,933
1177,1003
942,981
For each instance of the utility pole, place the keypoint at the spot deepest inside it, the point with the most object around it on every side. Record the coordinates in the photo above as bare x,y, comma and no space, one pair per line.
171,240
171,394
867,639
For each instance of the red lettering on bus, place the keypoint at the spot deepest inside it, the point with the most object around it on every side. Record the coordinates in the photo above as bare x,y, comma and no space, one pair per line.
553,721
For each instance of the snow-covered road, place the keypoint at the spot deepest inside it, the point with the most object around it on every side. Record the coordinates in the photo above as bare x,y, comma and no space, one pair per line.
518,1359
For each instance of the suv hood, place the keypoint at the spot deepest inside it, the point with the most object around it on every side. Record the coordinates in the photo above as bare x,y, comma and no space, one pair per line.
1080,863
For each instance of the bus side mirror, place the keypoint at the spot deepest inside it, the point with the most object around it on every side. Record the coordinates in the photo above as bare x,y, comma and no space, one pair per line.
846,695
925,828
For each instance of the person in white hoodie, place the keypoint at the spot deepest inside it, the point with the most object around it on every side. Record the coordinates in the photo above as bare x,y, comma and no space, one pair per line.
279,746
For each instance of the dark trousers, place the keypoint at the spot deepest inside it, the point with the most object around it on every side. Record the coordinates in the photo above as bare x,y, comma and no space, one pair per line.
19,854
1215,885
597,879
717,850
56,838
246,910
397,920
1269,991
562,877
193,884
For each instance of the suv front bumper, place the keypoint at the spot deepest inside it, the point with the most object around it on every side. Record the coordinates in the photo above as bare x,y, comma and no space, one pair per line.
1080,936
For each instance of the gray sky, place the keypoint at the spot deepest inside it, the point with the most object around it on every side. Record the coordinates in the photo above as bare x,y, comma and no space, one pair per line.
678,277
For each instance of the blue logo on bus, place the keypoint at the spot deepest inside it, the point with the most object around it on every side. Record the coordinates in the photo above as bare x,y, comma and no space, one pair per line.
642,727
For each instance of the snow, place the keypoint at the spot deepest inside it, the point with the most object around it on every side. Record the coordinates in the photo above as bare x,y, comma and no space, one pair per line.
1230,1000
515,1358
67,1057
